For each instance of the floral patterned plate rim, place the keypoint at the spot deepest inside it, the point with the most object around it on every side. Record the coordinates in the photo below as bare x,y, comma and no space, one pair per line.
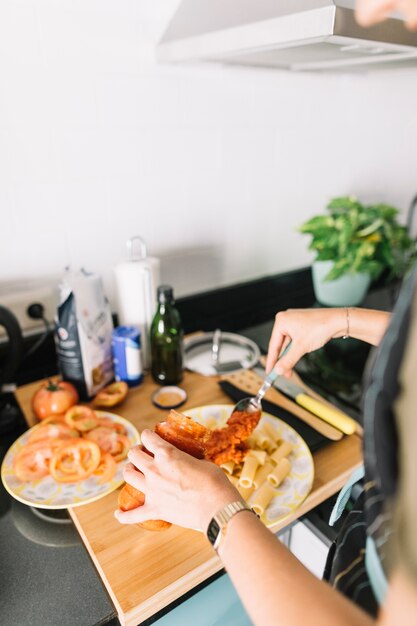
46,493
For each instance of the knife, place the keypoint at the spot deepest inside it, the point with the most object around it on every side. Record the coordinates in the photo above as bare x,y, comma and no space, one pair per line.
329,414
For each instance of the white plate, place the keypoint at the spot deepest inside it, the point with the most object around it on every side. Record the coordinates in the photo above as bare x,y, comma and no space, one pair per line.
46,493
297,485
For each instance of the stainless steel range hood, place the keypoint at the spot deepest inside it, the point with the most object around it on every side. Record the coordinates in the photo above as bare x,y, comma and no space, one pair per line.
300,35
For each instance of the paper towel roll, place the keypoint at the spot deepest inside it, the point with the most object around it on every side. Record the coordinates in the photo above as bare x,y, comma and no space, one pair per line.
137,279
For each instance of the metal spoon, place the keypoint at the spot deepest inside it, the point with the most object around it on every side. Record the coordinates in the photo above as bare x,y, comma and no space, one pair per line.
252,404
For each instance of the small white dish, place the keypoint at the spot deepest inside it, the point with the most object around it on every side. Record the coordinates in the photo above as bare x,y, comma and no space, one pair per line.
170,397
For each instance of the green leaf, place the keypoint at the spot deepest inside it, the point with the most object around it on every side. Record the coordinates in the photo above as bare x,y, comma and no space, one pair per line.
371,228
320,222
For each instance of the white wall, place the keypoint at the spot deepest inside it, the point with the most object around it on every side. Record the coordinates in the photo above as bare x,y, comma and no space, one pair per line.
215,167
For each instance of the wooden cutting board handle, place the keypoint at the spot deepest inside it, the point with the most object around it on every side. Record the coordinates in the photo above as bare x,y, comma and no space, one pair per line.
249,382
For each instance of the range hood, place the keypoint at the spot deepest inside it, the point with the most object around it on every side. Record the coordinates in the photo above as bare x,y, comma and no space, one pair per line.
299,35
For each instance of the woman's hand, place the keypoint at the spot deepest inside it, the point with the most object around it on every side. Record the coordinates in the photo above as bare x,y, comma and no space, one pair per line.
310,329
307,329
178,488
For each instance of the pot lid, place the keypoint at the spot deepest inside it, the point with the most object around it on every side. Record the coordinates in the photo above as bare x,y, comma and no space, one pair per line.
234,352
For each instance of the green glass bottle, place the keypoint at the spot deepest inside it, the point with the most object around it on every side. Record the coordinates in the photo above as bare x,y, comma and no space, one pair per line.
166,339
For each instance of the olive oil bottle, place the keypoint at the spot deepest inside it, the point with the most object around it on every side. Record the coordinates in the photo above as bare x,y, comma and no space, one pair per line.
166,339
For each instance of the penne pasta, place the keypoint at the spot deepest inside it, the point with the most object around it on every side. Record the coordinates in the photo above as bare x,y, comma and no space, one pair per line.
271,448
249,468
284,450
258,454
228,467
262,440
245,492
261,498
264,467
270,431
261,473
276,477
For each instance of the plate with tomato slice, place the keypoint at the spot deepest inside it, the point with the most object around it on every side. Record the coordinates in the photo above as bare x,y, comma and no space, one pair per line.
69,460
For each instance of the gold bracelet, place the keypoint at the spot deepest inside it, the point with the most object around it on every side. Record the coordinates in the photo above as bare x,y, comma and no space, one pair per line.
346,335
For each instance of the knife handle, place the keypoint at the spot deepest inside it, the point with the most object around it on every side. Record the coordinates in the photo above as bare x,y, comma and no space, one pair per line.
330,415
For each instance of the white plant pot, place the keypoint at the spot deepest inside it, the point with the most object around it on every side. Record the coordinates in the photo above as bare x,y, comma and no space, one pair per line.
348,290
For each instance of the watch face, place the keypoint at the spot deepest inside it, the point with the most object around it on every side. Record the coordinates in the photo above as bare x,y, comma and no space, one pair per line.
212,531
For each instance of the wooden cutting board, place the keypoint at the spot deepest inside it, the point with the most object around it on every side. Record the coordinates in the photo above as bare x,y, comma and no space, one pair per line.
250,382
145,571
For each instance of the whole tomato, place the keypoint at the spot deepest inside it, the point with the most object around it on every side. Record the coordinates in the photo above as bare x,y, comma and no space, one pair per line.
54,398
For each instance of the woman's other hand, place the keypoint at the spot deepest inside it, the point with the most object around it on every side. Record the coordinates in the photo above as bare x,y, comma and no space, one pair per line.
307,329
310,329
178,488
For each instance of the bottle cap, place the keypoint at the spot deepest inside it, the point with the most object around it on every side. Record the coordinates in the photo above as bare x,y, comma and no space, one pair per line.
165,293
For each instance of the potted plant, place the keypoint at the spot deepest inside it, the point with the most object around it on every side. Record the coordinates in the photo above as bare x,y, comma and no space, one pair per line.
356,244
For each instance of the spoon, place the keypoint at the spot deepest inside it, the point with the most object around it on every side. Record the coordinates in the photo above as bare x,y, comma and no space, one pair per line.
252,404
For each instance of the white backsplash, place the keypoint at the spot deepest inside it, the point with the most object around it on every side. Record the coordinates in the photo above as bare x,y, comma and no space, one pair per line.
214,167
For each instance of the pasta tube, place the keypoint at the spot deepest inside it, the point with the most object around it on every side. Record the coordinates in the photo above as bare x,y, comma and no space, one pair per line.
271,431
228,467
245,492
249,468
261,498
284,450
276,477
263,441
261,474
258,454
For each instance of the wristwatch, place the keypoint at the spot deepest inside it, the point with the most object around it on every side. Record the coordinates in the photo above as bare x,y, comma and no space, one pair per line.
216,531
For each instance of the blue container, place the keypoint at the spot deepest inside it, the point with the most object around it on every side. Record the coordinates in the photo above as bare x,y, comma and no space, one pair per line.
127,355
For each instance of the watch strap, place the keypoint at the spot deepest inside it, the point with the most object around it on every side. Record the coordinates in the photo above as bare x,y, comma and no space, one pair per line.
216,531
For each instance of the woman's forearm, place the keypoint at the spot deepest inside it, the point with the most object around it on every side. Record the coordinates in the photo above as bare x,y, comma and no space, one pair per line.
311,329
365,324
274,586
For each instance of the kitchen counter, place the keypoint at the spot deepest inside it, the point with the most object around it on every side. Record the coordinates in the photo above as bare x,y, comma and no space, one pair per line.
145,572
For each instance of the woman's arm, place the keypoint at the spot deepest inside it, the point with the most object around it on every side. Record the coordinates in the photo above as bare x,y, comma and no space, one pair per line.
311,329
272,584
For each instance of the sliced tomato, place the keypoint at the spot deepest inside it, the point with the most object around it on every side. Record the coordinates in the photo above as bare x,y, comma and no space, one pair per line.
33,460
76,460
56,431
109,423
106,469
102,435
112,394
120,448
82,418
110,441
